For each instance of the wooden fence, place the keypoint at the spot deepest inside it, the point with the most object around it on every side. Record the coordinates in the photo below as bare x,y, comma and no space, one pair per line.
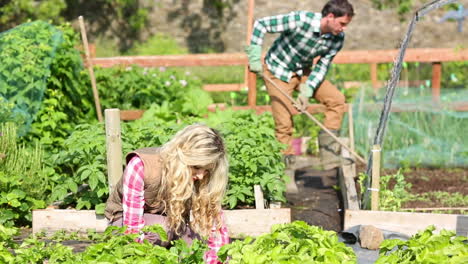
371,57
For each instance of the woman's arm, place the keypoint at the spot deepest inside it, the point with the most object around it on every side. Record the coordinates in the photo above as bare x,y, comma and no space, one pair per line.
133,199
217,239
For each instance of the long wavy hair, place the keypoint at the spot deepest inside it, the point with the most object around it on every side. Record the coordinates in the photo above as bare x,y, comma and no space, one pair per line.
201,146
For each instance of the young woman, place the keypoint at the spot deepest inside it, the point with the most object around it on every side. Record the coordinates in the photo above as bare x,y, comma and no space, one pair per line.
179,185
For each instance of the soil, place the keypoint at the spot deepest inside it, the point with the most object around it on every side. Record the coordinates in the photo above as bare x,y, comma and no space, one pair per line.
318,203
424,180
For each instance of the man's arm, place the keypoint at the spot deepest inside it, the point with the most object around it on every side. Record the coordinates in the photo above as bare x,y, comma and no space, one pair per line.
275,24
271,24
320,70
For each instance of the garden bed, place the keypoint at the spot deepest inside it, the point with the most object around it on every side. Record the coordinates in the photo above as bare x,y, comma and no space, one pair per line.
432,188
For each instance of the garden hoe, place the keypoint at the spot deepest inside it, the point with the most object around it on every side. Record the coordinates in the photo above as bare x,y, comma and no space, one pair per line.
310,116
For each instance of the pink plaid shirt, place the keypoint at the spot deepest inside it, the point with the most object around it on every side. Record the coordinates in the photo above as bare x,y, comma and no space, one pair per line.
133,201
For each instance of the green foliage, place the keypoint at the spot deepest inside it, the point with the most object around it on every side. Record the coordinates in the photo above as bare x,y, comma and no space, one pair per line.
135,87
82,161
7,243
425,247
22,185
454,75
16,12
393,199
27,53
113,246
126,19
158,44
8,115
254,156
42,77
294,243
446,199
402,6
68,99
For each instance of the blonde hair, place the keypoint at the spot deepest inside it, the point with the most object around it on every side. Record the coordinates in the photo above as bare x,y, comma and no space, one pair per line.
195,145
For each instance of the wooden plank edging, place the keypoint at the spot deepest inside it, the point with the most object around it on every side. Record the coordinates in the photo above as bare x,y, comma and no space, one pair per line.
240,222
405,222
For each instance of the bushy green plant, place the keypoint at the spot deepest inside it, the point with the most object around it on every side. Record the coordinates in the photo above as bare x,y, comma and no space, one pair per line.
425,247
68,99
22,185
82,161
112,246
294,243
134,87
8,115
16,12
42,76
27,53
254,156
7,243
393,199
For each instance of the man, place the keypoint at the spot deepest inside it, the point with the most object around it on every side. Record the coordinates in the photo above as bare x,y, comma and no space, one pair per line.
288,63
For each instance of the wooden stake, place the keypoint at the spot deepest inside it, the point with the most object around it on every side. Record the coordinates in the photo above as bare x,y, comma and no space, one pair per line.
376,151
250,77
351,126
90,69
374,80
259,202
114,147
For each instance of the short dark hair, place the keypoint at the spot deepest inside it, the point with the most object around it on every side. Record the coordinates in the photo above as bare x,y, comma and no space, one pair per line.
338,8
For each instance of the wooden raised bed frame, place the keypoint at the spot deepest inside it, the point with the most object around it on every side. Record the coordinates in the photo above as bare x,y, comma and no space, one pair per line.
402,222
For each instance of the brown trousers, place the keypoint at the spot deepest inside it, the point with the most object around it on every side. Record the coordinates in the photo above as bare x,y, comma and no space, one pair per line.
327,94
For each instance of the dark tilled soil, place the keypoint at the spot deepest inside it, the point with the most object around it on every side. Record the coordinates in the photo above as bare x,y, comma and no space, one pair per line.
317,202
424,180
430,180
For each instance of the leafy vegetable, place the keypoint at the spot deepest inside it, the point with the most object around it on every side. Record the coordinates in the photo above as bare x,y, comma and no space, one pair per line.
296,242
425,247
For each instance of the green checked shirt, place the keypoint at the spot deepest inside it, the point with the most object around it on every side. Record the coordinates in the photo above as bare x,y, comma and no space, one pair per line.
299,43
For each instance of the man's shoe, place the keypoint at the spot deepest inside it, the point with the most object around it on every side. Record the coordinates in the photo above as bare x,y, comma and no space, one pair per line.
289,161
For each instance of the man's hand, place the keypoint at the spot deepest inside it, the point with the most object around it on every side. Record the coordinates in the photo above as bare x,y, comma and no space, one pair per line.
302,99
254,53
302,103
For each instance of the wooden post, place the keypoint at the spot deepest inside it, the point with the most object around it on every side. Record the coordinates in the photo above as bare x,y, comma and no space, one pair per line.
351,135
250,77
436,79
373,73
351,126
259,201
90,69
113,146
376,151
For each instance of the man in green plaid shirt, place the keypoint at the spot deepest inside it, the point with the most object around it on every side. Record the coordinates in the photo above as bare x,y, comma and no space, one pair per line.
289,64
